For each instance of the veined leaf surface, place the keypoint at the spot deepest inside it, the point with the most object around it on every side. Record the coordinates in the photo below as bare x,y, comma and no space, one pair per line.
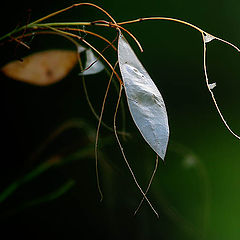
144,99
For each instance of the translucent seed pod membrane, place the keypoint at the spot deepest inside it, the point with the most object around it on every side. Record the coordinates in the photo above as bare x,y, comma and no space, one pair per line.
145,102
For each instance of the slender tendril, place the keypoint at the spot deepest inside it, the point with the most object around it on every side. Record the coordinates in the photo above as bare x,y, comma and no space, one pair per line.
99,23
203,33
85,31
72,6
92,47
97,133
211,92
124,156
149,185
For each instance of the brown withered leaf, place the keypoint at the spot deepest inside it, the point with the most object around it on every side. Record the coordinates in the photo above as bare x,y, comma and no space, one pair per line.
42,68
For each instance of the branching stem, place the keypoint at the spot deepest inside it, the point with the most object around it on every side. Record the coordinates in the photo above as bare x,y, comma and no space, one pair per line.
124,156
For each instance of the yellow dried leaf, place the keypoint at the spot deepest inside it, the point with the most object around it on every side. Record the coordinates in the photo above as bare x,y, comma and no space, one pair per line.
42,68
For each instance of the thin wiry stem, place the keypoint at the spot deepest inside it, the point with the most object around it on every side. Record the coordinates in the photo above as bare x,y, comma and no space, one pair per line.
97,133
72,6
104,60
92,47
160,18
178,21
110,43
81,68
91,106
20,42
131,35
109,24
149,185
85,31
33,24
30,25
228,43
87,96
211,92
204,56
80,64
123,154
123,133
99,23
48,32
123,114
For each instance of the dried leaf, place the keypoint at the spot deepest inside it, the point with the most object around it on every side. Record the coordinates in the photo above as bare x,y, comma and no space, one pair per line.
92,65
145,101
42,68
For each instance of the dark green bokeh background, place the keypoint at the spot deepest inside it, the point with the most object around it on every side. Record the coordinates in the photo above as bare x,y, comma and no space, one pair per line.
196,191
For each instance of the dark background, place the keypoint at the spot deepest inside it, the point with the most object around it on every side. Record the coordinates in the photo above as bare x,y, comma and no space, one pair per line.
196,192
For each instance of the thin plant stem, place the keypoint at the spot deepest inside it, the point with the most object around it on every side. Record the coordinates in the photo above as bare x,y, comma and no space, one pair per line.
97,133
160,18
119,25
48,32
80,64
85,31
87,96
179,21
203,33
131,35
30,25
211,92
92,47
123,133
35,23
83,80
90,104
149,185
228,43
124,156
109,24
102,53
122,113
99,23
20,42
72,6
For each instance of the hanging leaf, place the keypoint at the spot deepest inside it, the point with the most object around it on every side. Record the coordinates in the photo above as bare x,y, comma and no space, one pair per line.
145,101
92,65
42,68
